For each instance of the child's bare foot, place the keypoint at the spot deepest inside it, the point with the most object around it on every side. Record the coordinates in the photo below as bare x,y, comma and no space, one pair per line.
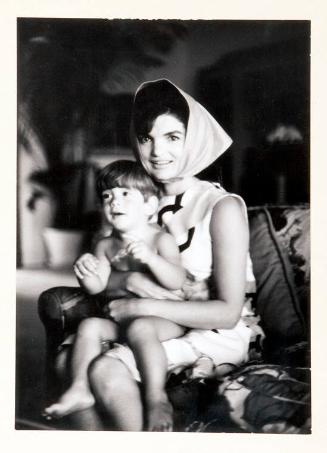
160,416
73,400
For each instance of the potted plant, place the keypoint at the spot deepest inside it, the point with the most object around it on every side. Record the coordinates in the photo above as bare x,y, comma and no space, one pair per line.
70,188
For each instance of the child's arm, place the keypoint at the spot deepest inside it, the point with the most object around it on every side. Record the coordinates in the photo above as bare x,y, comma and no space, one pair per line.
93,271
165,264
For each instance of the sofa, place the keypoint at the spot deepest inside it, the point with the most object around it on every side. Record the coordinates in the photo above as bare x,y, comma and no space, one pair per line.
268,394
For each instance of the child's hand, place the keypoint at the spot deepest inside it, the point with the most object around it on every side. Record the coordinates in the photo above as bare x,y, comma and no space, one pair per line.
195,289
86,266
140,251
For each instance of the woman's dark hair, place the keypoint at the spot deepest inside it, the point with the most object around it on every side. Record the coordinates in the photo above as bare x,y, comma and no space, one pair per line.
125,173
156,99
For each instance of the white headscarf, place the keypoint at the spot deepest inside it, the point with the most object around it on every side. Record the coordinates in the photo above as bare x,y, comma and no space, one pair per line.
205,139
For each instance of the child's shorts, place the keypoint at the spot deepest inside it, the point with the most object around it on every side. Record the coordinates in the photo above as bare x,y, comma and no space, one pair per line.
223,346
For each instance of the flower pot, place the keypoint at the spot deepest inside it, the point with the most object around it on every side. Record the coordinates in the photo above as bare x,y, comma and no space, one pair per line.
62,246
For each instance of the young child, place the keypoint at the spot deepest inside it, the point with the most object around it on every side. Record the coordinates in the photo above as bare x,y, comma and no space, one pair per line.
129,200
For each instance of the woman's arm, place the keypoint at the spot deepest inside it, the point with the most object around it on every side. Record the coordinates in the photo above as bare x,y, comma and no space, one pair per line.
230,239
123,284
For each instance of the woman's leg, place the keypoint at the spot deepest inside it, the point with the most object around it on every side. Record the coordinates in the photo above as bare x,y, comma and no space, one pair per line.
87,346
144,335
117,392
86,420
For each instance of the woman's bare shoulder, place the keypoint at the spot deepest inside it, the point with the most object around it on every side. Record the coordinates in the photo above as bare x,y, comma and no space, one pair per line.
228,213
229,204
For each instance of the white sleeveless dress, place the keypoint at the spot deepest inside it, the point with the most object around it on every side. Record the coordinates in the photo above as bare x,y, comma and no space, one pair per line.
187,217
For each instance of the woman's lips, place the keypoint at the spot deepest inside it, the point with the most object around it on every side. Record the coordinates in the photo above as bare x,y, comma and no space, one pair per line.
160,163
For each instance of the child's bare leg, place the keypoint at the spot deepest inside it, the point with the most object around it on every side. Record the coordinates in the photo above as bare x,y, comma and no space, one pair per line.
87,346
144,336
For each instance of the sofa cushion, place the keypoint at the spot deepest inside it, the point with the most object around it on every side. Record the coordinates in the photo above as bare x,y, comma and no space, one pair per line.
269,398
272,248
255,397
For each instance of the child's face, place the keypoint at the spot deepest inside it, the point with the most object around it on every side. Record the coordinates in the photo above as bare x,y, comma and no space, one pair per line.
125,209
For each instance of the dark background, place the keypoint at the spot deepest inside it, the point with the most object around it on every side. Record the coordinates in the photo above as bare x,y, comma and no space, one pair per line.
77,78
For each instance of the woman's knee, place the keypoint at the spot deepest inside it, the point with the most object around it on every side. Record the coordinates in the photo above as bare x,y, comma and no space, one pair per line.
106,374
140,328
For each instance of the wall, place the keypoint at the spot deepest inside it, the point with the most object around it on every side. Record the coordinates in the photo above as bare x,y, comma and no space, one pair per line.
208,41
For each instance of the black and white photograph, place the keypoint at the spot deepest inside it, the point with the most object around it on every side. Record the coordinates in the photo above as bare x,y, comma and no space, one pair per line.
163,225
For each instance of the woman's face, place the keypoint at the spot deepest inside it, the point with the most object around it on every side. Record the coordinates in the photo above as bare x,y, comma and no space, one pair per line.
162,148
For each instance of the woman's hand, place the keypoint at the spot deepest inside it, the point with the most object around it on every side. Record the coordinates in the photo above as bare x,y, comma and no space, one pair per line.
142,285
124,309
196,289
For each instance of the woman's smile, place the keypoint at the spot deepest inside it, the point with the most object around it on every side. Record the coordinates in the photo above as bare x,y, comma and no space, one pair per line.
160,163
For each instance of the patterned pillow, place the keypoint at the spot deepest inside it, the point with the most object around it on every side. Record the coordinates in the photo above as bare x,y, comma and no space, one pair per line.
295,238
278,295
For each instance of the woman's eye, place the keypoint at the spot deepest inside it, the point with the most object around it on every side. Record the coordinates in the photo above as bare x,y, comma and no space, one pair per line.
173,138
125,193
144,139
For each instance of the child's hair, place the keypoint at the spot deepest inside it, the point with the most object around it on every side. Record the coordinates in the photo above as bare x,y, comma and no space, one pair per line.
125,173
156,99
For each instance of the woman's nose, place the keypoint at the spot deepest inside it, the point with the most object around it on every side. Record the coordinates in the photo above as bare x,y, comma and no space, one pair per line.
156,149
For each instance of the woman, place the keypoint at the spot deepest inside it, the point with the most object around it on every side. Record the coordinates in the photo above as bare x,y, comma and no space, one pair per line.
175,138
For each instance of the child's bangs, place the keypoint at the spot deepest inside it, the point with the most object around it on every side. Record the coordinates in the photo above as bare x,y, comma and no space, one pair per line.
128,182
125,174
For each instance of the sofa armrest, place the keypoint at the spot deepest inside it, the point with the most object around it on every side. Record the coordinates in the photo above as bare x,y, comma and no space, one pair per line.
62,308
